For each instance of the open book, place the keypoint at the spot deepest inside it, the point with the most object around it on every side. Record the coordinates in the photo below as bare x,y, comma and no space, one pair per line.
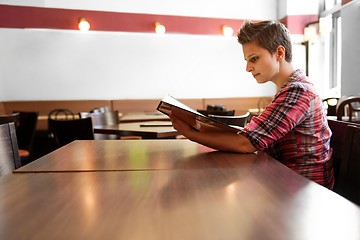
169,105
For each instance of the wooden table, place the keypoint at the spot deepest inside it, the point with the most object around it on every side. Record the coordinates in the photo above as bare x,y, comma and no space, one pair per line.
167,189
118,155
144,116
146,130
258,202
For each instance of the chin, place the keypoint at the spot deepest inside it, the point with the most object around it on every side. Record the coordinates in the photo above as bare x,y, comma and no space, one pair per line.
260,81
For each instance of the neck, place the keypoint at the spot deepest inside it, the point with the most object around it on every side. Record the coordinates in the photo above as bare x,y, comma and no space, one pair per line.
285,70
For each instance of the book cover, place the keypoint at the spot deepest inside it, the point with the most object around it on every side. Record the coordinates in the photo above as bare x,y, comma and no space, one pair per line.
169,105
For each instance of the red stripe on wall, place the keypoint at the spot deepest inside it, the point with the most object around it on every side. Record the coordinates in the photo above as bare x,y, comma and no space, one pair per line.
343,2
297,23
34,17
54,18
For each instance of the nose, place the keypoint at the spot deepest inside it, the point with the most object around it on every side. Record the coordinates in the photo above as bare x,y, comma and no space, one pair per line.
249,67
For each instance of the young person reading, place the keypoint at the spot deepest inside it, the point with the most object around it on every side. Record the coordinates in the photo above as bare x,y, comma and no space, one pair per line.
293,128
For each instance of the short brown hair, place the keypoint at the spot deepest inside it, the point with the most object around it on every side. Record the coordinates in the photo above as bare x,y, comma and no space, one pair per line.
268,34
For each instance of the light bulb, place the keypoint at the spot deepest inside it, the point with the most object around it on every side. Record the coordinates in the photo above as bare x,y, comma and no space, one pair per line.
227,31
84,25
159,28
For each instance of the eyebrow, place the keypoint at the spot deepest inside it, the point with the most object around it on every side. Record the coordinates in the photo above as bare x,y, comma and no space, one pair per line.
250,56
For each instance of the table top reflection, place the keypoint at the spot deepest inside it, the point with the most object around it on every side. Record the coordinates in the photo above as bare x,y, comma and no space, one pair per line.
167,189
258,199
122,155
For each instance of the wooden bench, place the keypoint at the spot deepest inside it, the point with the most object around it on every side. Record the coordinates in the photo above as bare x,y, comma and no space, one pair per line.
240,104
44,107
149,105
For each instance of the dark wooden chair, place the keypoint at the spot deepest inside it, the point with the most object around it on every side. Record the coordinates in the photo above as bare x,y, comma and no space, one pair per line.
57,114
14,117
239,120
25,132
61,113
9,153
219,113
216,110
348,182
101,109
102,118
347,107
337,140
66,131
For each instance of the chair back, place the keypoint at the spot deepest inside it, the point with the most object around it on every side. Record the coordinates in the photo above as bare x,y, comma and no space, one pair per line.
239,120
14,117
101,109
102,119
9,153
329,104
338,129
348,106
349,175
61,113
216,110
25,129
66,131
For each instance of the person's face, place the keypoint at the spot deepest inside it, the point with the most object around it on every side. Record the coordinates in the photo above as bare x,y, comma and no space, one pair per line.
260,62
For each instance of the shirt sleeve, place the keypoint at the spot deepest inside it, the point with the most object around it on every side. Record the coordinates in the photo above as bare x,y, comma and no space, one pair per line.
288,109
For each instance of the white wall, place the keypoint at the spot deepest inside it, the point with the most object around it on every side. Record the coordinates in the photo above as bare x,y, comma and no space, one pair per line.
57,64
54,64
296,7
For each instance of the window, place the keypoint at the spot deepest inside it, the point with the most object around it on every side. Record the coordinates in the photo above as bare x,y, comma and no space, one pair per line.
335,52
330,4
330,29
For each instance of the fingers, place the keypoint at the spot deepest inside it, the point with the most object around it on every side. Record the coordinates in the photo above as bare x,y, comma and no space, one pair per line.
173,120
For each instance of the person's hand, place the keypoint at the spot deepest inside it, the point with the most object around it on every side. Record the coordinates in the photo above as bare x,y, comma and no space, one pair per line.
180,126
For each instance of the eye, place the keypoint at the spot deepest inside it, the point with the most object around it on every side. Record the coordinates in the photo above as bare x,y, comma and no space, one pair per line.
254,59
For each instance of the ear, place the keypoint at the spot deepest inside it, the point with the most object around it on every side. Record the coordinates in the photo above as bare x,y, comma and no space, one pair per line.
280,53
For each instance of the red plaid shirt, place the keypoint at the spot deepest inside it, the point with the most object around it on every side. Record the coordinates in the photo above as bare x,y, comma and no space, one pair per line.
293,129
